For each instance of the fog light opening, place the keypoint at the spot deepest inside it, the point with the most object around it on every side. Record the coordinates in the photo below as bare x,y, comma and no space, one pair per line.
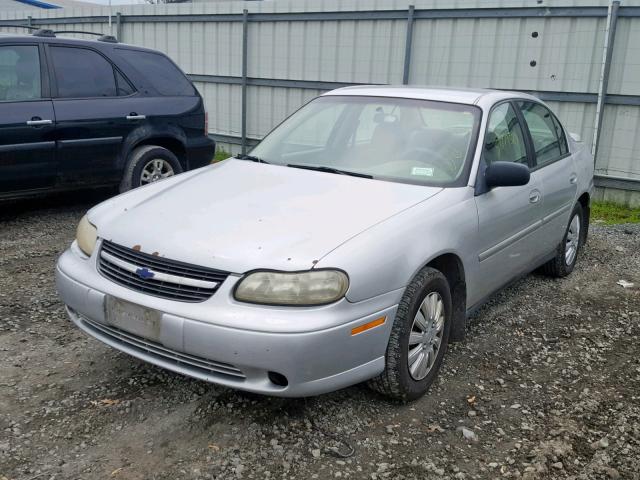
278,379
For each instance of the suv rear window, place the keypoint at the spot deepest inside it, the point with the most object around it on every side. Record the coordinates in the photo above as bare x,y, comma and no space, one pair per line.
159,71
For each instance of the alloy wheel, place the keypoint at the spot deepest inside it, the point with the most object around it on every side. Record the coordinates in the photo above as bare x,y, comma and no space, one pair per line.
155,170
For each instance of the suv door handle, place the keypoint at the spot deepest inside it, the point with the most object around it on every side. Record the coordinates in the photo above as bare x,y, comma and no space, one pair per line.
135,116
37,123
534,196
573,179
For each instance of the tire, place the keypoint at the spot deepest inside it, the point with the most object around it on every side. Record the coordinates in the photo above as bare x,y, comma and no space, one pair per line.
140,161
397,381
567,252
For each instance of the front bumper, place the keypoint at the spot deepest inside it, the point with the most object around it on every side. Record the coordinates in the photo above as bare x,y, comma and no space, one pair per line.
233,344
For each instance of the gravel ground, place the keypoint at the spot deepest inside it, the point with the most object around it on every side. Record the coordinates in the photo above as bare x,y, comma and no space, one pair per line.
546,385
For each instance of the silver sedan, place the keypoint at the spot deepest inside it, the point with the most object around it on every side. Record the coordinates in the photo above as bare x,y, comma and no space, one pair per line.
349,246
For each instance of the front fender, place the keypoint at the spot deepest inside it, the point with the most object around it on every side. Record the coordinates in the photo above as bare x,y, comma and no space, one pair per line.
387,256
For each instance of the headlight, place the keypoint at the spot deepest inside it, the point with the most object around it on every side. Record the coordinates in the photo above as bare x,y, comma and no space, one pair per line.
86,236
315,287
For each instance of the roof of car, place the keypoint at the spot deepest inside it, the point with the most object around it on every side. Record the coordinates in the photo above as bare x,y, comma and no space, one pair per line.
469,96
61,38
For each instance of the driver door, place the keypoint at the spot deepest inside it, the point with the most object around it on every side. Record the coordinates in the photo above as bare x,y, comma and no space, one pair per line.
27,121
509,218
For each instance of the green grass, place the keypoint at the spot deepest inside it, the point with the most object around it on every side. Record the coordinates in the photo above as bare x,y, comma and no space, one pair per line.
612,213
220,155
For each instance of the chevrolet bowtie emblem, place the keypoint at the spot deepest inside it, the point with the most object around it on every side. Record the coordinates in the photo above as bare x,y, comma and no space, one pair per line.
144,273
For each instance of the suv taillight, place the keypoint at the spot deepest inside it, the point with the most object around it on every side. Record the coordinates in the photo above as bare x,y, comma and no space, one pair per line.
206,123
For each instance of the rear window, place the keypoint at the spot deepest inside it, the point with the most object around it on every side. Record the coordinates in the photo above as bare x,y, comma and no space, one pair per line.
159,71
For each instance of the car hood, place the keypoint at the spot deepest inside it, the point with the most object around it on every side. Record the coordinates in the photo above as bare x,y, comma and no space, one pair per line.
239,215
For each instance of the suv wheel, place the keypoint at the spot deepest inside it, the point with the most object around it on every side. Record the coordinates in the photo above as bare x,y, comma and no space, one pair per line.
418,339
567,252
148,164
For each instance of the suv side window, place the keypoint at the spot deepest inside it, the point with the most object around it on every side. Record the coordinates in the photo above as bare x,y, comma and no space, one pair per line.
159,71
124,87
19,73
82,73
548,138
504,140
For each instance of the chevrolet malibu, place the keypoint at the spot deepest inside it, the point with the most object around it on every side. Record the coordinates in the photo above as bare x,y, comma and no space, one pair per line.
351,245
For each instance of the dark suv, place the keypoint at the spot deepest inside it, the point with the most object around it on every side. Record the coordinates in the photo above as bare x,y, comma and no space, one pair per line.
84,113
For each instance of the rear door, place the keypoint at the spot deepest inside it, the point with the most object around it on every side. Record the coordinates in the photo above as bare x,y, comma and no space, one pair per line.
93,112
556,168
509,218
27,146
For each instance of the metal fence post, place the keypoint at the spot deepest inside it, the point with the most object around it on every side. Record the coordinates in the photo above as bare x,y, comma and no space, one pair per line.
30,20
612,18
245,37
119,26
407,45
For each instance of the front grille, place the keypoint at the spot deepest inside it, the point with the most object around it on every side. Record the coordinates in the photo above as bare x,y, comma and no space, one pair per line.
133,342
158,276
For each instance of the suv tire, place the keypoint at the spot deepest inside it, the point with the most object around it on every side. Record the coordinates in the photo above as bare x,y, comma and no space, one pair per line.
398,380
147,164
567,252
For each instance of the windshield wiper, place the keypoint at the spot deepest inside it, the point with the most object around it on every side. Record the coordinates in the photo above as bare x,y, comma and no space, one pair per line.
322,168
243,156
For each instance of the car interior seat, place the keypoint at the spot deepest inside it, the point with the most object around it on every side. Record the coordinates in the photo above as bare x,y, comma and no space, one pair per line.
27,81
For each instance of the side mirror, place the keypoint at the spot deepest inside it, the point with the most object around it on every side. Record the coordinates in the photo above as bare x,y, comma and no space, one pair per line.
506,174
575,136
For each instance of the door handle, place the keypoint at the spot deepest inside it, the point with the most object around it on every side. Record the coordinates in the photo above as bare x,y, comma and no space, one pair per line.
534,196
135,116
573,179
37,123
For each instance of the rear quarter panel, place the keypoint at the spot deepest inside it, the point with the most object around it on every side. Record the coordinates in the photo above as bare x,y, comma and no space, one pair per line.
180,118
584,164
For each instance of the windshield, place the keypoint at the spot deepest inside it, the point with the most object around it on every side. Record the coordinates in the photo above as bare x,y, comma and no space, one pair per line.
399,139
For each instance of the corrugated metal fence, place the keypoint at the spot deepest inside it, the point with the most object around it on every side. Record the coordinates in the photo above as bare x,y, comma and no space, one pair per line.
255,63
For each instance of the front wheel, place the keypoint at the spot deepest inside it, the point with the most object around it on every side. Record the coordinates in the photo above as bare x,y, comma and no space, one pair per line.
148,164
567,252
418,339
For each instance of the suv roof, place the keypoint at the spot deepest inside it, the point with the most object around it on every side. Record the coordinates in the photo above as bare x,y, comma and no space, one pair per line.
119,55
95,43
